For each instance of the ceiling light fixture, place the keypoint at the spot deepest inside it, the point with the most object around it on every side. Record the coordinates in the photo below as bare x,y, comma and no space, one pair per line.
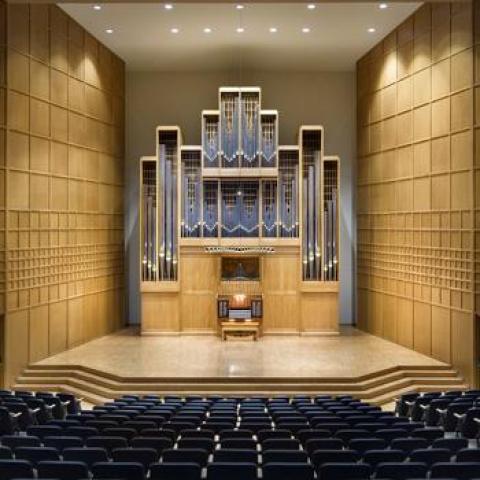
168,6
240,30
207,30
305,30
311,6
383,6
273,30
371,30
174,30
97,7
109,30
239,7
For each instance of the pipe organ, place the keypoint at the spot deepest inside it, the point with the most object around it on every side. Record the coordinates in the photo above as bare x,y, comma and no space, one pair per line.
239,191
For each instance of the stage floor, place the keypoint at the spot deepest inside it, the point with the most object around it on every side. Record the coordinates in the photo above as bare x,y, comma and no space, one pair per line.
351,354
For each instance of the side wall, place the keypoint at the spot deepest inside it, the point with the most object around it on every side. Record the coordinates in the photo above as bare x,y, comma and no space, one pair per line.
416,183
61,185
177,98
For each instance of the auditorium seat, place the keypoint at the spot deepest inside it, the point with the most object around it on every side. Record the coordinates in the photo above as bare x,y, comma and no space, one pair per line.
452,444
321,457
159,444
108,443
468,455
5,453
12,469
175,471
186,455
323,444
401,471
204,443
235,455
361,445
61,442
268,433
145,456
62,470
248,443
117,470
460,471
409,444
430,455
290,471
281,444
87,455
14,441
375,457
344,471
231,471
37,454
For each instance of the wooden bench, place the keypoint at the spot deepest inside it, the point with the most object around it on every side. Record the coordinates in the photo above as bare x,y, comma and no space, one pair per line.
240,329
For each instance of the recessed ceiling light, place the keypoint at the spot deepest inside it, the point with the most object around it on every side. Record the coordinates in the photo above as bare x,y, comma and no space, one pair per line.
240,30
371,30
207,30
311,6
168,6
109,30
239,7
174,30
383,6
97,7
273,30
305,30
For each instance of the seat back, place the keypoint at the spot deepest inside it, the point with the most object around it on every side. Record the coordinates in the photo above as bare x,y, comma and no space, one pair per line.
292,471
232,471
88,455
62,470
116,470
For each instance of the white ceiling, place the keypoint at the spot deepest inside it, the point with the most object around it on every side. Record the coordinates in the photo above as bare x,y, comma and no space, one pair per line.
142,37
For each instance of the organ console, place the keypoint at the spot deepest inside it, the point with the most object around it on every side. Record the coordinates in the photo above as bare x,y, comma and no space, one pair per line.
211,205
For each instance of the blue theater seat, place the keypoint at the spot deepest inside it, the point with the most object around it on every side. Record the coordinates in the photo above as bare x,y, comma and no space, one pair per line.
62,470
231,471
375,457
401,471
344,471
430,455
186,455
36,454
88,455
11,469
235,455
145,456
282,456
460,471
288,471
117,470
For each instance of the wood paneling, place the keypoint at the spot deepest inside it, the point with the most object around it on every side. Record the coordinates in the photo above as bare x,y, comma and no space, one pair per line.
61,266
416,274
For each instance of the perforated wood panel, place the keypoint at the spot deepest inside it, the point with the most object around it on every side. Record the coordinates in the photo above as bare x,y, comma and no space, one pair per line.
61,184
416,181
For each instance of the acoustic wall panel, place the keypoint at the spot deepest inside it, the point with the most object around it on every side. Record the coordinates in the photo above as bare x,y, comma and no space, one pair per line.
416,212
61,219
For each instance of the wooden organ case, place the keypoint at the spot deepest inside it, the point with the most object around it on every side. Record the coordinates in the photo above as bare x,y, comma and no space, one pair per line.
239,196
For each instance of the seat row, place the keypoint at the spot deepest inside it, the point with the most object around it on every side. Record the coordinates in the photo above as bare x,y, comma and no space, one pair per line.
71,470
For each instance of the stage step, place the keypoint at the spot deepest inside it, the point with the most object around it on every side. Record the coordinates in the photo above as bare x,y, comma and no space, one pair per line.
379,388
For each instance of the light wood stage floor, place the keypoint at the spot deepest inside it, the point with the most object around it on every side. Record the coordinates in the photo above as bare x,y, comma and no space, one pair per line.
352,362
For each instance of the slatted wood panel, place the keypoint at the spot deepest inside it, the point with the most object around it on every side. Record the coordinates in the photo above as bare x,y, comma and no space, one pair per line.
416,208
61,184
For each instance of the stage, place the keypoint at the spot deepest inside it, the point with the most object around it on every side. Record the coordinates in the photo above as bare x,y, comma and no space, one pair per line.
352,362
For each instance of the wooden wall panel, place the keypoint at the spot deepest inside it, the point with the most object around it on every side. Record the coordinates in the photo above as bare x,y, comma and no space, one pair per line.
61,236
417,213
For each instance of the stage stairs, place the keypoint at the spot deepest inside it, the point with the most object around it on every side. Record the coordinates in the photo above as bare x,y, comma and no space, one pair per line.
379,388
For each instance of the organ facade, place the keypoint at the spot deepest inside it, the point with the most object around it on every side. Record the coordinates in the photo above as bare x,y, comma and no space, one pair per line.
239,195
